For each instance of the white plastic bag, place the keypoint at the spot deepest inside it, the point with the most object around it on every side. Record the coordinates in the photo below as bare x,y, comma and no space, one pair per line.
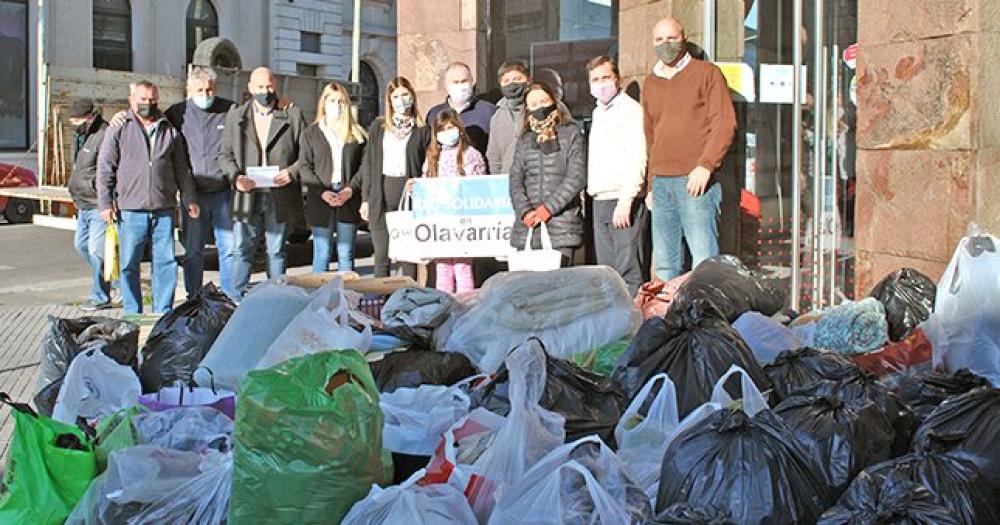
190,429
964,329
95,386
150,485
531,260
416,418
323,325
765,336
570,310
254,326
643,438
411,504
582,482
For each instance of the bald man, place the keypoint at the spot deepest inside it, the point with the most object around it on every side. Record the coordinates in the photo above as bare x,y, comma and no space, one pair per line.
474,112
262,132
689,124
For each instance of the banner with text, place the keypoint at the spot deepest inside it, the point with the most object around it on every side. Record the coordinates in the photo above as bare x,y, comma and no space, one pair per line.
456,217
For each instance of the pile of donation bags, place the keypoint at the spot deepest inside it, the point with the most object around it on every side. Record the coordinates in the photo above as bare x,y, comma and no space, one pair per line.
543,398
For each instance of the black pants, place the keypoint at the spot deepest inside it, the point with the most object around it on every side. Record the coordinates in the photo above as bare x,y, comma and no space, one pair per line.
621,249
392,190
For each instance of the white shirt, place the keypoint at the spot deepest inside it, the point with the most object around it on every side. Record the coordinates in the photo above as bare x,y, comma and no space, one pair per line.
336,152
616,163
660,69
394,155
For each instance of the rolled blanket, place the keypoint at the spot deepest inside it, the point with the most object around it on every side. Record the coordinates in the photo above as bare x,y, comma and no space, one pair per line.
853,327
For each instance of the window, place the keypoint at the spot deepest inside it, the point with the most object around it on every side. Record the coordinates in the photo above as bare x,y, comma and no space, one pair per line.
369,98
306,70
14,72
113,34
202,24
310,42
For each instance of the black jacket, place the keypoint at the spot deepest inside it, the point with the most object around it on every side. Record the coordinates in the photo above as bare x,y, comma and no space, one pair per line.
83,181
240,149
202,130
370,183
555,180
315,168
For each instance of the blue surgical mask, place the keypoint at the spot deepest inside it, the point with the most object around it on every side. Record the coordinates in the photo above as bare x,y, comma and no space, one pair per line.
203,102
448,137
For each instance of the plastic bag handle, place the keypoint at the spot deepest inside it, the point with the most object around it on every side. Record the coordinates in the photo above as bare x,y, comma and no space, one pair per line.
404,201
665,401
753,400
546,240
211,378
24,408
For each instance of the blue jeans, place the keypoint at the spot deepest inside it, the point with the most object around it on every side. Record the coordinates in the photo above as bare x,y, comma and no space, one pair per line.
217,215
89,242
322,250
138,228
264,221
676,213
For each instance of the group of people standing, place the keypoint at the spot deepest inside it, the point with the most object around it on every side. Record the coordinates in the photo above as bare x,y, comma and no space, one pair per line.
657,155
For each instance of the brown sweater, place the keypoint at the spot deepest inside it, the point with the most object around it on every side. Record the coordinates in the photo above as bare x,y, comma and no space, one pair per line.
689,120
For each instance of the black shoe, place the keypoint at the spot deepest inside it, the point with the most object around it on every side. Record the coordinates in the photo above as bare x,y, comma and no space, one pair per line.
93,306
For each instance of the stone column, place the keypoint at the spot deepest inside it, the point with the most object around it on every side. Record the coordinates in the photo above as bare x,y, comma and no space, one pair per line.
429,38
928,131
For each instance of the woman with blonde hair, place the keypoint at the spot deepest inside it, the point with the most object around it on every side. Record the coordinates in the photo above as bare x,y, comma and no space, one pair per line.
396,149
329,157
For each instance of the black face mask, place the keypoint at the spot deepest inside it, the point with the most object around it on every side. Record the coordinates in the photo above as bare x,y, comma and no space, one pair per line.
265,99
543,112
514,90
147,110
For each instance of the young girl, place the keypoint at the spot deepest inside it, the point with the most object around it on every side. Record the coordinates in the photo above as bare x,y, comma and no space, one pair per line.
451,154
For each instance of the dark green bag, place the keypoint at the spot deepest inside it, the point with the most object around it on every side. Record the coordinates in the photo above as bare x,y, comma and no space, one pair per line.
50,466
308,442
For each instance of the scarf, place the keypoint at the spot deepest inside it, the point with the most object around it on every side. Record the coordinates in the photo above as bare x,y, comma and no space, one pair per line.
546,131
402,125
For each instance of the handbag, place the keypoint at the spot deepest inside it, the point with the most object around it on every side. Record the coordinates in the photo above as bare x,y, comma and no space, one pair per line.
531,260
111,251
402,225
188,395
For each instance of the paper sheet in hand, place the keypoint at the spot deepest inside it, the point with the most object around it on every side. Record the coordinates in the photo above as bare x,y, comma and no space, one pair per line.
263,176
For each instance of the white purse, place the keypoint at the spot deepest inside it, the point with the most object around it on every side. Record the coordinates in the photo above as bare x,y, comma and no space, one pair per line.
531,260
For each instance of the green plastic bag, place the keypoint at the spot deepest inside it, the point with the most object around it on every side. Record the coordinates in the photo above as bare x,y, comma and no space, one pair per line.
602,360
43,481
308,441
114,433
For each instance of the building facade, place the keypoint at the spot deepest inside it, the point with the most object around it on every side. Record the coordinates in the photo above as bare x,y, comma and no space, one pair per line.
157,37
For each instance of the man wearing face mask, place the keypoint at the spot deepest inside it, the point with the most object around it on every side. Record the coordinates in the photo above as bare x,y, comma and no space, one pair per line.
141,166
508,120
616,172
475,113
90,227
689,124
201,119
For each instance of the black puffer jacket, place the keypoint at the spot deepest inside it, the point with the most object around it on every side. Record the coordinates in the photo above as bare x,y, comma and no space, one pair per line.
553,179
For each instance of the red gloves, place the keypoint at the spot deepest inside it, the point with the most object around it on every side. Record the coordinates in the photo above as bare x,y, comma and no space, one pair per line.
542,213
530,219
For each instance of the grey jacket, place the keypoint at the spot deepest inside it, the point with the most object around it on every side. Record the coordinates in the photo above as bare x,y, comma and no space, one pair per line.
505,127
136,178
83,182
555,180
240,149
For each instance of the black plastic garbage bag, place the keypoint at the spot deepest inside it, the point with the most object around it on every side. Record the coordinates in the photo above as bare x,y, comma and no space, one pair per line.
68,338
180,339
975,417
856,388
842,439
956,483
892,499
908,297
695,347
753,468
412,368
685,514
925,394
795,369
731,287
590,402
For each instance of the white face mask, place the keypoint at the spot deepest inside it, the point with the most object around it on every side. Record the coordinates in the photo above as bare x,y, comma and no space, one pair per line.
448,137
402,104
460,94
334,110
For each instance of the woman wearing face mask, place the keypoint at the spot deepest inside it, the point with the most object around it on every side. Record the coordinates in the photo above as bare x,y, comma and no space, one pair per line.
452,155
329,158
397,145
548,173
